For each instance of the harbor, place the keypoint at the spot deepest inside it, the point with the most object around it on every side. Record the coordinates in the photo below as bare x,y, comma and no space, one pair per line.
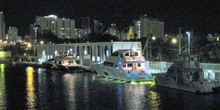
89,54
51,89
109,55
36,88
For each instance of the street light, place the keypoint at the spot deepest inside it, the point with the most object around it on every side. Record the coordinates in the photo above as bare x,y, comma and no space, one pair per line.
173,41
29,45
41,42
188,42
153,38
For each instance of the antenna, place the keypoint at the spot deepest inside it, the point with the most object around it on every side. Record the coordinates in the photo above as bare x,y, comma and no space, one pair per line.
131,45
149,36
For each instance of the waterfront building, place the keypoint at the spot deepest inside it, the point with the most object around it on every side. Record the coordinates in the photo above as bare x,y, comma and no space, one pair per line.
63,28
2,26
97,26
137,29
112,30
213,38
86,25
123,35
148,26
12,35
79,33
89,52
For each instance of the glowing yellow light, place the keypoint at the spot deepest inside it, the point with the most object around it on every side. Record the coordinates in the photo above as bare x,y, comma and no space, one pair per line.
2,84
29,45
153,38
4,54
146,82
41,42
174,41
153,98
30,87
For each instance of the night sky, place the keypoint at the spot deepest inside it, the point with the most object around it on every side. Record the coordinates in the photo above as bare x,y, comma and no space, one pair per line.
203,16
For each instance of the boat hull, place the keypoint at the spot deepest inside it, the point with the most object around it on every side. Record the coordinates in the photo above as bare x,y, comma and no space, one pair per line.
197,87
118,74
69,68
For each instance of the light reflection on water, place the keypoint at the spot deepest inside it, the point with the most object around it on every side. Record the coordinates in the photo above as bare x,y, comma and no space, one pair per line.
136,97
2,87
32,88
31,94
69,90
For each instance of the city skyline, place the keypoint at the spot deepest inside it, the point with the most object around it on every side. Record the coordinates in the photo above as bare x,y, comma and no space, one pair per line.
200,15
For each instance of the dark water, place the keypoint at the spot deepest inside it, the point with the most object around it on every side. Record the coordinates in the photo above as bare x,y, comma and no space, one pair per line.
34,88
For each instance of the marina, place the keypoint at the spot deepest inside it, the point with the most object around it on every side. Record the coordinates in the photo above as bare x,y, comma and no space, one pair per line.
37,88
51,89
109,55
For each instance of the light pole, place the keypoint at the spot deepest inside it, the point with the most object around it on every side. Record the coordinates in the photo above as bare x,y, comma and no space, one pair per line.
188,42
179,42
35,33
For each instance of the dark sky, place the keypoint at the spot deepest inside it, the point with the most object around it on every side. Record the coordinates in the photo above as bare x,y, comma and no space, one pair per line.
203,16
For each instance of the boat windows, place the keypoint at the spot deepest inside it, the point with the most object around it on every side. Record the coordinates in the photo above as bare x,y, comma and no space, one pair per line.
77,62
134,53
130,65
127,54
109,64
139,65
115,54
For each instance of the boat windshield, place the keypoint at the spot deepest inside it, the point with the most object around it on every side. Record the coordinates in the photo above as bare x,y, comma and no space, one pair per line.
109,64
115,54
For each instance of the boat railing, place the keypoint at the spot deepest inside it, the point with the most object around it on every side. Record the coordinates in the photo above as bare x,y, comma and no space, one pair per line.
134,58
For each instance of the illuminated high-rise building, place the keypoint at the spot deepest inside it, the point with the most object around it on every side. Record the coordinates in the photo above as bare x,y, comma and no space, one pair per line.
112,30
63,28
146,26
2,26
12,34
86,25
97,26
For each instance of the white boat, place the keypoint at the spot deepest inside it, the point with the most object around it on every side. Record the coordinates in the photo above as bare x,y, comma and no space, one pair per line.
67,63
126,65
185,74
50,63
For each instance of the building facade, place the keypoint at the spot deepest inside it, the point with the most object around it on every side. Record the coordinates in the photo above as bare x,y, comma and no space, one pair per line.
12,35
146,26
2,26
112,30
86,25
63,28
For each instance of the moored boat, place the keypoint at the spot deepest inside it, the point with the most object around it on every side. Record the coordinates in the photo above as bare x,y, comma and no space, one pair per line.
185,74
67,63
127,65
